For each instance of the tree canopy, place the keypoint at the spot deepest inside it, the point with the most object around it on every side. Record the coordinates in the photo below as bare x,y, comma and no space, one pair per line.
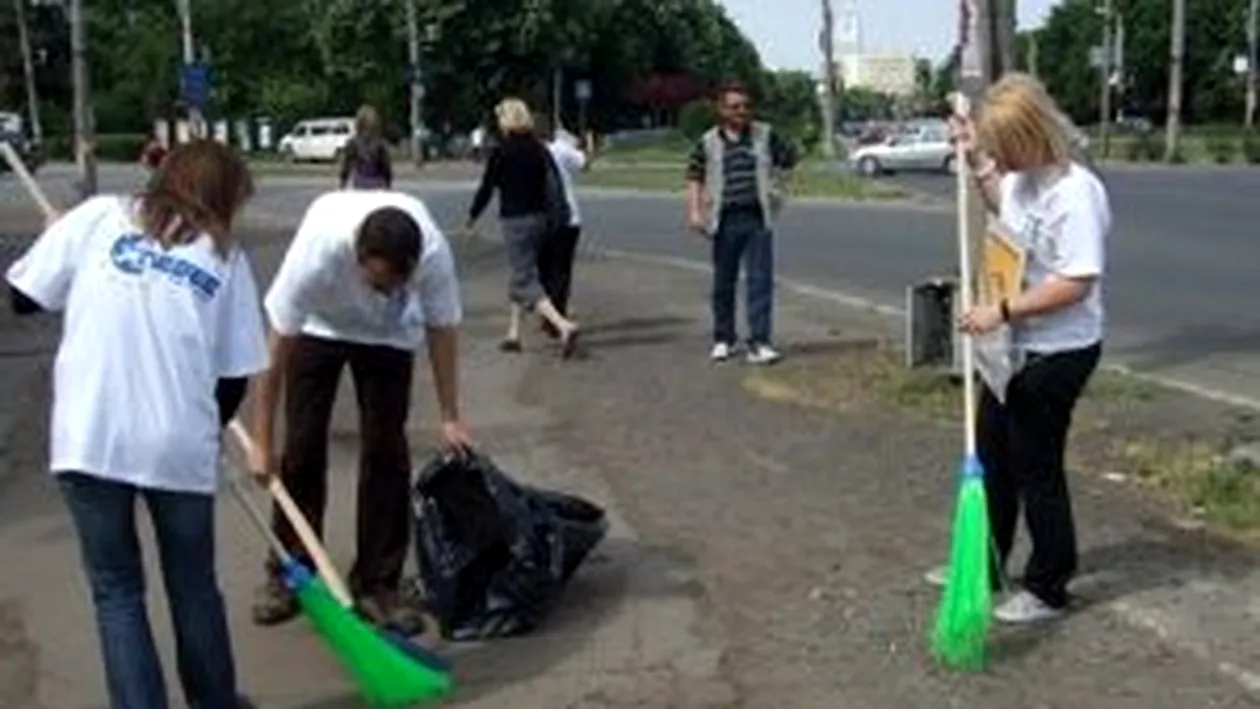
288,59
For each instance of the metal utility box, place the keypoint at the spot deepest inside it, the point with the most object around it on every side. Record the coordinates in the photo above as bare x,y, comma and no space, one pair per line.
932,309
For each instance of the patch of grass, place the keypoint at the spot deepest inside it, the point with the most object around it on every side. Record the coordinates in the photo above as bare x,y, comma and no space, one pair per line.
1123,425
806,183
669,150
1201,477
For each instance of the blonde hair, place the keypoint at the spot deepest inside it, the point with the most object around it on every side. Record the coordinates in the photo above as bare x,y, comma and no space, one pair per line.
367,122
514,116
1021,126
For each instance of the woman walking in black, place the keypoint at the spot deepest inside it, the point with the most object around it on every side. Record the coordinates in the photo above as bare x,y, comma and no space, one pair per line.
365,162
521,170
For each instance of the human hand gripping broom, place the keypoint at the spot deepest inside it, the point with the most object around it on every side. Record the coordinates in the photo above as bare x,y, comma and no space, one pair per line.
960,636
328,572
386,675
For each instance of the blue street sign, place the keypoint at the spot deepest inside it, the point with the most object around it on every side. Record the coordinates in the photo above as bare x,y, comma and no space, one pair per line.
194,82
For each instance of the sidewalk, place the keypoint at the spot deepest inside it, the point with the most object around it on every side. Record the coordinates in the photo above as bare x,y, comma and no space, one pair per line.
763,553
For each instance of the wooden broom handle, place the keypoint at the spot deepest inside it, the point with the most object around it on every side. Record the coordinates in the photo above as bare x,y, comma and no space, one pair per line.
319,555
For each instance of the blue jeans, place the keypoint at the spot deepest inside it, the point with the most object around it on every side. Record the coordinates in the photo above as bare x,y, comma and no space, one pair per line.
104,515
742,236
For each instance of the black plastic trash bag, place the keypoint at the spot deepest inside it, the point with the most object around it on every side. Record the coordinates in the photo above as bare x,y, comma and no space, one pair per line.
495,555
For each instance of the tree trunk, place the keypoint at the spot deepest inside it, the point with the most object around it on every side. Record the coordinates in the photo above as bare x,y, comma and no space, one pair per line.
827,97
28,68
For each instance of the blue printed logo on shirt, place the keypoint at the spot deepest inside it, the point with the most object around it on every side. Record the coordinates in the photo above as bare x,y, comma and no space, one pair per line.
131,255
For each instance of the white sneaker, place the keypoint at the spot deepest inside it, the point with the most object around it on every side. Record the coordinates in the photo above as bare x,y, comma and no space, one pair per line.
721,352
938,577
1024,608
763,354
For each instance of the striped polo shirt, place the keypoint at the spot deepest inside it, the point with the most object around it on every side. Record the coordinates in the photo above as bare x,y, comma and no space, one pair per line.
739,165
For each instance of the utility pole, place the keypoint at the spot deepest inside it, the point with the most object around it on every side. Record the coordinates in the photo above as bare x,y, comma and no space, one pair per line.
84,131
28,68
827,41
415,83
557,96
1104,79
1172,145
196,122
1253,48
1003,33
976,63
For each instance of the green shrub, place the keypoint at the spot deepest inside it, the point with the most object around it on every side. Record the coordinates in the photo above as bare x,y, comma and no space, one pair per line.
1143,148
695,118
1221,147
1250,148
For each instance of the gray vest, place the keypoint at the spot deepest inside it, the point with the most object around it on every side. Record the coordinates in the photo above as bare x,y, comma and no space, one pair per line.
714,174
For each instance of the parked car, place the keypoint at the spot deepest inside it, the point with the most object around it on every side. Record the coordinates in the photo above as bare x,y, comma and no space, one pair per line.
13,132
923,147
317,139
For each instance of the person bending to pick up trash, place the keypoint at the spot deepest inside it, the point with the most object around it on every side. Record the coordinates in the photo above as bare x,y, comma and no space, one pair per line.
368,279
162,329
1059,213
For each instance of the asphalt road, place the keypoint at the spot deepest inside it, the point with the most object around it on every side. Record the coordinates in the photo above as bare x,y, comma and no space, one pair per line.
1181,260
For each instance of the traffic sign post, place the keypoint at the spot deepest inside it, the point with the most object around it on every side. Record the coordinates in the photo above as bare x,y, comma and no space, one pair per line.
195,85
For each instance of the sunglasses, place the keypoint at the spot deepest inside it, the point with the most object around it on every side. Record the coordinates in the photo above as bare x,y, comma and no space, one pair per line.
740,106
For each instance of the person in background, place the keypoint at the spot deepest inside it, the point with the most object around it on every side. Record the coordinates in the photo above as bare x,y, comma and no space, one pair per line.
365,161
736,176
1021,156
162,330
520,169
559,248
368,279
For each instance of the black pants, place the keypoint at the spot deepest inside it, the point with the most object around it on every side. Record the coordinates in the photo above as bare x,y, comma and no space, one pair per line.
555,265
382,383
1021,444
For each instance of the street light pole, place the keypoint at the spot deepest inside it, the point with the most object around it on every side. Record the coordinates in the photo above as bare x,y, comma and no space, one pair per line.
1253,40
827,96
415,83
1105,71
84,143
1172,145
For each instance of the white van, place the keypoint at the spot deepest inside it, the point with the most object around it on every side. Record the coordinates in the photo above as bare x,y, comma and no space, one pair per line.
317,139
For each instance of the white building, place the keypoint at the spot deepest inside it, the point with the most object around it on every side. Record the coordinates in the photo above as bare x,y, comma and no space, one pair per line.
885,72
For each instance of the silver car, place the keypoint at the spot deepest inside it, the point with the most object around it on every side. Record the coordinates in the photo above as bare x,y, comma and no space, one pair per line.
923,147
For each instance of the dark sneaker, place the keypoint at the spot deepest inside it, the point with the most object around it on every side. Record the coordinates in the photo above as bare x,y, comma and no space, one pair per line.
390,609
274,604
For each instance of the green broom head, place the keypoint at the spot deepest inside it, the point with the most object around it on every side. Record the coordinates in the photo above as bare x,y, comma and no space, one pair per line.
960,638
385,675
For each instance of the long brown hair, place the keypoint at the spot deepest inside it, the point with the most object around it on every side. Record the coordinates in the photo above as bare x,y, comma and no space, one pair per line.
199,187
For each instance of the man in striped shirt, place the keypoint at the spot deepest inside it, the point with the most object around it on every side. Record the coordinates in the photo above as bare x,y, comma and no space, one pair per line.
735,188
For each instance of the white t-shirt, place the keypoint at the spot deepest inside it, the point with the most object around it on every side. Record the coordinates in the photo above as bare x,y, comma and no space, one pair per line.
1062,220
147,334
319,290
570,160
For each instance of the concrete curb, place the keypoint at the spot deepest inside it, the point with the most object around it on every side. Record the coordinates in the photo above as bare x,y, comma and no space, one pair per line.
890,311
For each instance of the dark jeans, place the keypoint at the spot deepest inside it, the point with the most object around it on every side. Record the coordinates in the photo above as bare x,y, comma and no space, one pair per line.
1021,445
555,265
104,515
382,383
742,236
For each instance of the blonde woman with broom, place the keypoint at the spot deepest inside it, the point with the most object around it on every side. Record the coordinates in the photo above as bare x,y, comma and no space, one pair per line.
1058,211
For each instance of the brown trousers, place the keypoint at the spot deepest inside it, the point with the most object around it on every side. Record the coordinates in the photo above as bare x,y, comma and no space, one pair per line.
382,383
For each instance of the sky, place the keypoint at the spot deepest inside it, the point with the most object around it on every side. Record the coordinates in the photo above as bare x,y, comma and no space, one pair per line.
786,31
